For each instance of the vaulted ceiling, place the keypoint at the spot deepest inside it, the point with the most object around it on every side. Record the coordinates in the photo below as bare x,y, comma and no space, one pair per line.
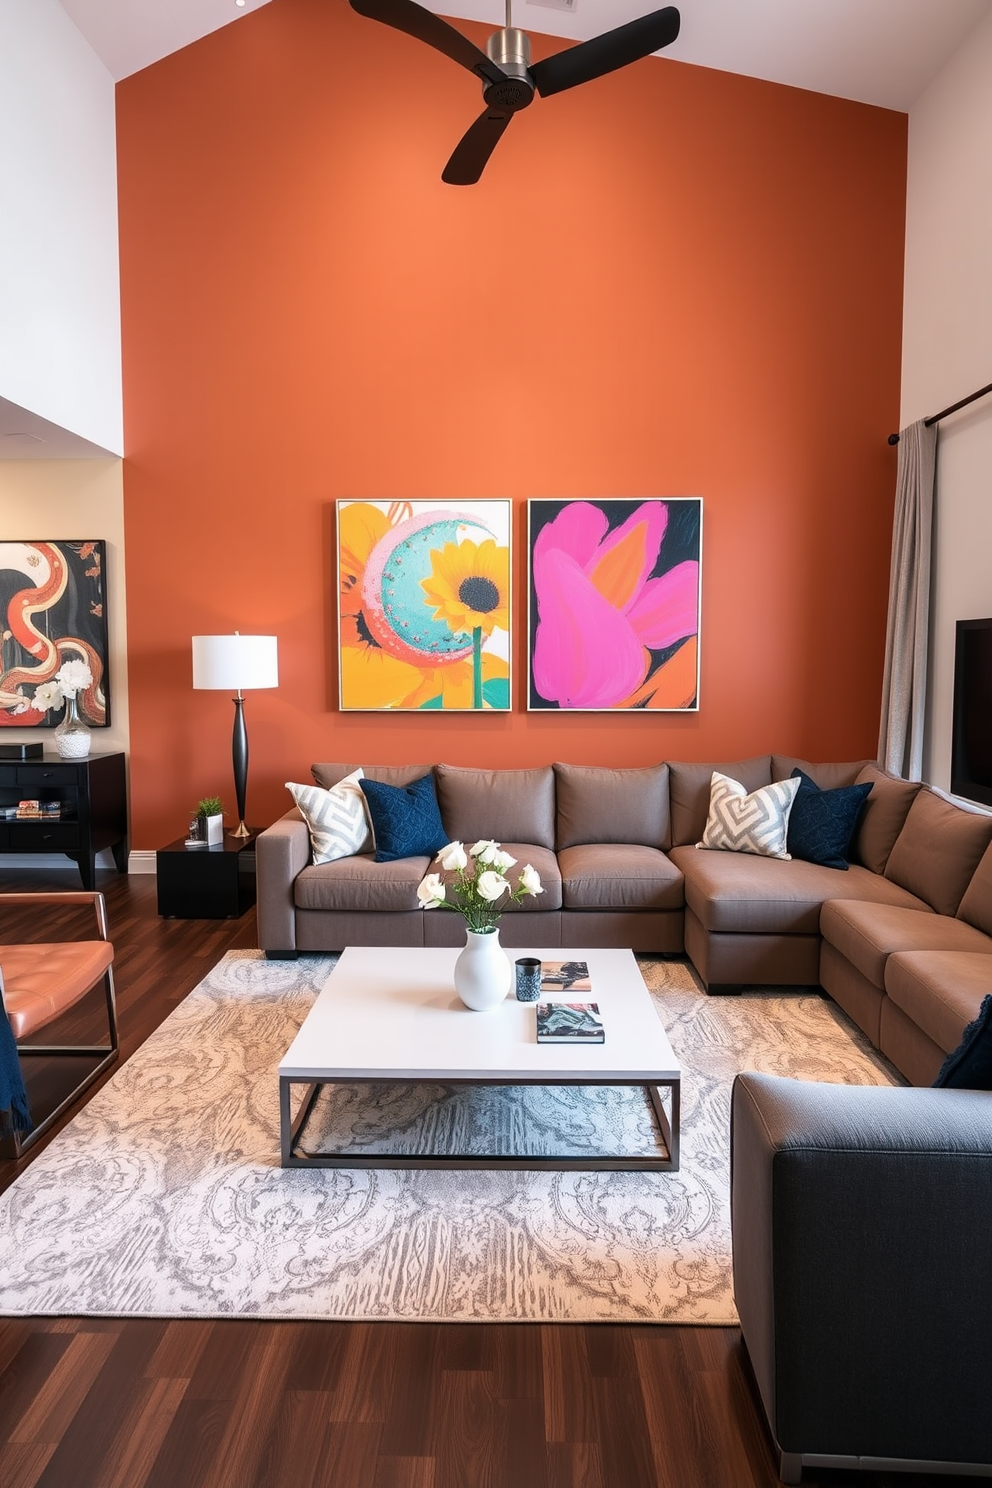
882,52
877,51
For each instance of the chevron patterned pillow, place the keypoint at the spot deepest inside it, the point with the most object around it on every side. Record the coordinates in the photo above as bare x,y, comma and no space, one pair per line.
337,818
756,823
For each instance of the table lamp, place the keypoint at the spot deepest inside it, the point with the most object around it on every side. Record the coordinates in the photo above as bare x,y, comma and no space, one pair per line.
236,661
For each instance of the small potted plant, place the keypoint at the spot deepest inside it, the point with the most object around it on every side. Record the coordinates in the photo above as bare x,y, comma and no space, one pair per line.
210,819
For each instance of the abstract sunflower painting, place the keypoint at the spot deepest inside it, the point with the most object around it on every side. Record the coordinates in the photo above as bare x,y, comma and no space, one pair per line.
424,605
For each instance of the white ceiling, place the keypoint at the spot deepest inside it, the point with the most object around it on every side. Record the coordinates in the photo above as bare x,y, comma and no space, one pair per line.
28,436
876,51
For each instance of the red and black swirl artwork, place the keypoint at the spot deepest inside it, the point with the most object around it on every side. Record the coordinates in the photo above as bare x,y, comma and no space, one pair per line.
52,609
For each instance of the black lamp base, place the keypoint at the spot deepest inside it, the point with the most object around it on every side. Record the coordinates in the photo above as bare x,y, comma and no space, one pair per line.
239,750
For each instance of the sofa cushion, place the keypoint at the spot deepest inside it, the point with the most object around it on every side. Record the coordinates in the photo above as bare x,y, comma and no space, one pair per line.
976,905
689,789
767,896
941,991
938,850
969,1067
822,822
598,804
405,818
755,823
882,817
337,819
827,777
867,934
361,884
500,804
619,876
327,775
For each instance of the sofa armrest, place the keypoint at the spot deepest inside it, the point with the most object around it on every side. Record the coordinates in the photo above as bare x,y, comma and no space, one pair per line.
861,1224
281,852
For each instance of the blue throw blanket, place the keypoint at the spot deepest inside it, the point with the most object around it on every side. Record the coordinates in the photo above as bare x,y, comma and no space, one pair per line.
14,1113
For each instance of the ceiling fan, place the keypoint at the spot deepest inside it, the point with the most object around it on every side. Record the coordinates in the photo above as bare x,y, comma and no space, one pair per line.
508,76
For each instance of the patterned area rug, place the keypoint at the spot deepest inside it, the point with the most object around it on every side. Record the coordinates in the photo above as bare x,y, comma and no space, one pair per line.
164,1197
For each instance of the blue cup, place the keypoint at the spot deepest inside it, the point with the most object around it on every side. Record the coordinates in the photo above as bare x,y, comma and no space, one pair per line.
528,979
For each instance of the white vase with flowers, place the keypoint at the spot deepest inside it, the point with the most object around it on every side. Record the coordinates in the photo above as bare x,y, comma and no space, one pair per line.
72,735
479,890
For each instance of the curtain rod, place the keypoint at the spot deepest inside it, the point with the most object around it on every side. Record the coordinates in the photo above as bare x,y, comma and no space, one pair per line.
963,403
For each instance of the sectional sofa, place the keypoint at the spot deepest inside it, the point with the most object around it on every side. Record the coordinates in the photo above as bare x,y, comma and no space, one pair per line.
902,939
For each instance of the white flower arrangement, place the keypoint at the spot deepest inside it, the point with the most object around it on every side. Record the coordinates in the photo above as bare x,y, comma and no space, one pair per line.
479,884
72,677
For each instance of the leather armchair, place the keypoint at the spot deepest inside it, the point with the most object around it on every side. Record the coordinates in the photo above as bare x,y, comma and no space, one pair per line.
41,980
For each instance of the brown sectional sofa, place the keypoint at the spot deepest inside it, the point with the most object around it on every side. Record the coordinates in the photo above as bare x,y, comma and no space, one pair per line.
899,939
913,977
597,837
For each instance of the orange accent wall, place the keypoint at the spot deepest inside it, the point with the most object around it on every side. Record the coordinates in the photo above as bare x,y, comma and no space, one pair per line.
672,281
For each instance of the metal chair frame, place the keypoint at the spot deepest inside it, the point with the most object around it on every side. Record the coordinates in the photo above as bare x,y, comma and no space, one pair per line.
20,1142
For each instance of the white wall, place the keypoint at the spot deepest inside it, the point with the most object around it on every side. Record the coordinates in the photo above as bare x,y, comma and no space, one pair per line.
75,499
60,341
947,349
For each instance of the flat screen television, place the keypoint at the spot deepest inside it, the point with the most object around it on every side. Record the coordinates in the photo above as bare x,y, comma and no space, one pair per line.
971,741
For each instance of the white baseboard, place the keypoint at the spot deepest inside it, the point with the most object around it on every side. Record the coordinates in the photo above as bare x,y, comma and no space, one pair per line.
137,862
104,859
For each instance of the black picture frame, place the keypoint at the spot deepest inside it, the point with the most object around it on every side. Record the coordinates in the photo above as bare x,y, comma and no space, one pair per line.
53,608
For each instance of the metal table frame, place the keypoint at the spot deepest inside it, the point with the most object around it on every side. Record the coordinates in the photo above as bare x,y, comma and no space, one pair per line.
292,1129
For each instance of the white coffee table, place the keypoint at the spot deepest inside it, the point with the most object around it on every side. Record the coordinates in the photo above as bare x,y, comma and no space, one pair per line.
392,1014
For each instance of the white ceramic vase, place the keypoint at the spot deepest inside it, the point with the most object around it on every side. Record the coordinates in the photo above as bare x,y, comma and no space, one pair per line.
482,971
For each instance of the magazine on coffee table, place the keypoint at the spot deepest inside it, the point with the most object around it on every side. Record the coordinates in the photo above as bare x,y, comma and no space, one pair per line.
565,976
569,1023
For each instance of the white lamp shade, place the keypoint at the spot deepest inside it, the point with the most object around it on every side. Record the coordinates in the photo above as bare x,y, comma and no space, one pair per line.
235,661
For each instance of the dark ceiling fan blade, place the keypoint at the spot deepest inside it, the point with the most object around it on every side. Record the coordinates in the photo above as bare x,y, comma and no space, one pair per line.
406,15
473,150
603,54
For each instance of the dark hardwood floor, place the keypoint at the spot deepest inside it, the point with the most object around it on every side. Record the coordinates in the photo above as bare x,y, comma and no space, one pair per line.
108,1403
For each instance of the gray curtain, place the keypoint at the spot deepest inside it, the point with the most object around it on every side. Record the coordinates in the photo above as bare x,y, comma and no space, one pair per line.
904,688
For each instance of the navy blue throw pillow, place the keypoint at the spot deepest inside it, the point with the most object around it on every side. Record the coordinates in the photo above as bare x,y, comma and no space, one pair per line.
970,1066
406,819
822,822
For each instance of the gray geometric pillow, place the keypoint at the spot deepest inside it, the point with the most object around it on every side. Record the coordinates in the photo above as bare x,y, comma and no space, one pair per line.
337,818
756,823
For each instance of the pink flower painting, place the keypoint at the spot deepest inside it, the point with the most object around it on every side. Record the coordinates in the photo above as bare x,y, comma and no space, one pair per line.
615,604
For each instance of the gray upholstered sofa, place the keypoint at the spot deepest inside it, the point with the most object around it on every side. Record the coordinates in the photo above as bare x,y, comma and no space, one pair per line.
899,939
861,1223
596,836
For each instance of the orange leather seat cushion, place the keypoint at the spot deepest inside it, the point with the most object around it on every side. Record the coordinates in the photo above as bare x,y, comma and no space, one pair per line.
41,981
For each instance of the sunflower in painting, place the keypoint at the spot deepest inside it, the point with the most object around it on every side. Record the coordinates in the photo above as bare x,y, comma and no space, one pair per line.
469,586
400,646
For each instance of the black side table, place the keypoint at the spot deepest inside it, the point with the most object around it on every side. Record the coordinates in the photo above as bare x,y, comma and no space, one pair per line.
206,883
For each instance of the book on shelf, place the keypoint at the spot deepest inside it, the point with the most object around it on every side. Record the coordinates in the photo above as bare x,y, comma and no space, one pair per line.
569,1023
26,810
565,976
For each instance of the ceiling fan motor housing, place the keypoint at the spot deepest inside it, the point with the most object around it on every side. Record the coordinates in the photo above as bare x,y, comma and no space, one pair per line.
510,50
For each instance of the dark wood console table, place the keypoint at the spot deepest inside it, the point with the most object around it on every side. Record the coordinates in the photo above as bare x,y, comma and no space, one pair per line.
93,797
